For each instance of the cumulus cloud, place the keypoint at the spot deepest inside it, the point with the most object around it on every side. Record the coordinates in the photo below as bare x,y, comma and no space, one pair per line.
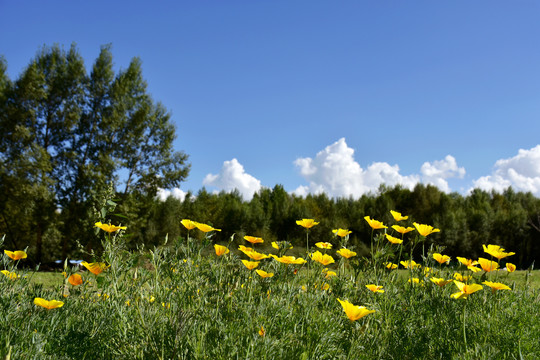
521,172
335,172
233,176
177,193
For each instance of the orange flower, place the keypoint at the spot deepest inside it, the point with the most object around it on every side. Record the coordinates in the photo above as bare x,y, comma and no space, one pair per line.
10,275
488,265
75,279
375,288
16,255
95,268
221,250
253,239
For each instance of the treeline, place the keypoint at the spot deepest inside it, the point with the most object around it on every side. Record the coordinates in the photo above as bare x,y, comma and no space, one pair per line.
509,219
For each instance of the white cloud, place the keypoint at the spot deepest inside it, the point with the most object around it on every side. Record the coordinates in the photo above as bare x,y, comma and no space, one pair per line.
233,176
335,172
177,193
521,172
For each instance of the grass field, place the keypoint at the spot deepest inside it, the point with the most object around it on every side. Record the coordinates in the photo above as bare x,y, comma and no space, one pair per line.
183,301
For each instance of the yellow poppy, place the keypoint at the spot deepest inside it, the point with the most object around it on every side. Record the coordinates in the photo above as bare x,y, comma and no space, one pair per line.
465,290
354,312
307,223
391,266
393,240
496,251
262,332
462,278
254,255
488,265
440,281
402,229
341,232
375,224
253,239
409,264
510,267
221,250
346,253
323,245
329,273
75,279
441,259
425,230
496,286
243,248
109,228
323,259
397,216
188,224
264,274
95,268
250,264
375,288
205,228
16,255
48,304
10,275
289,259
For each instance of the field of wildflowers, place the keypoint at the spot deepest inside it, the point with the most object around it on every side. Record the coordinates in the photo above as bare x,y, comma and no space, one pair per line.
245,299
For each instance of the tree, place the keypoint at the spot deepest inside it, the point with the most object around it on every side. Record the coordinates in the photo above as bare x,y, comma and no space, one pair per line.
67,134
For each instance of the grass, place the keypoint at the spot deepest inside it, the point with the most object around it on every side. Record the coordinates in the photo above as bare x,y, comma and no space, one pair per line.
181,301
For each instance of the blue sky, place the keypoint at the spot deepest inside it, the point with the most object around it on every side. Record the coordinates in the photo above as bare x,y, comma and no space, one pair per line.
318,95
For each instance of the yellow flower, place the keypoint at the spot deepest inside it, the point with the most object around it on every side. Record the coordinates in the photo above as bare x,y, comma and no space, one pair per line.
250,264
346,253
393,240
289,259
264,274
470,264
402,229
462,278
329,274
109,228
188,224
341,232
323,245
262,332
281,245
275,245
397,216
425,230
48,304
496,286
75,279
221,250
415,281
307,223
244,249
375,288
253,239
409,264
391,266
95,268
354,312
10,275
375,224
254,255
440,281
205,228
16,255
510,267
488,265
323,259
496,251
465,290
441,259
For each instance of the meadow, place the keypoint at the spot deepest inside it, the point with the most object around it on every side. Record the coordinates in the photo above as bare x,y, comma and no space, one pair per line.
192,298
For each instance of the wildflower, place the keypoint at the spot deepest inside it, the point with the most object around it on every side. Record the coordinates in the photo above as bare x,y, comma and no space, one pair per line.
166,305
250,264
205,228
275,245
10,275
409,264
401,229
307,223
109,228
462,278
354,312
329,274
510,267
488,265
496,251
425,230
397,216
341,232
441,259
323,259
391,266
325,287
244,249
289,259
393,240
470,264
188,224
496,286
75,279
264,274
375,224
262,332
415,281
323,245
346,253
440,281
127,303
465,290
221,250
95,268
254,255
48,304
253,239
16,255
375,288
281,245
